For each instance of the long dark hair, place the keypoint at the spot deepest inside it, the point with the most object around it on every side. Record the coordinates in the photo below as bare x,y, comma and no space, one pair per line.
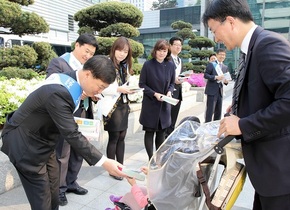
119,44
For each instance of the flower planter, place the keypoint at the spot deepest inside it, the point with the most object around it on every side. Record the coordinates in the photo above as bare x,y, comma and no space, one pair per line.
199,93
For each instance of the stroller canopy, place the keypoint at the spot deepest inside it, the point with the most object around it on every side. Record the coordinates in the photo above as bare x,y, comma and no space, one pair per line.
172,181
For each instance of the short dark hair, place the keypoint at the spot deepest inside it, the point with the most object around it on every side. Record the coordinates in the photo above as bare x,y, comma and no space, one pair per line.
221,50
213,54
101,68
175,38
89,39
161,44
219,9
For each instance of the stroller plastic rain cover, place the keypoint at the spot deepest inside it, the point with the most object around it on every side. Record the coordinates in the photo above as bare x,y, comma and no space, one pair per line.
172,181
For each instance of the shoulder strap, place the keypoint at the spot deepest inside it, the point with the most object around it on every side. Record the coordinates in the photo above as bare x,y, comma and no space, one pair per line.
206,190
69,83
66,57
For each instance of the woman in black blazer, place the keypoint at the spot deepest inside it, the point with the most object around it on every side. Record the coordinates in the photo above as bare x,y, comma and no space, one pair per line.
157,77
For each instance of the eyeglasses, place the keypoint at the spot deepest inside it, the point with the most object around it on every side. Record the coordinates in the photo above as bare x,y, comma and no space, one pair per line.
177,45
221,23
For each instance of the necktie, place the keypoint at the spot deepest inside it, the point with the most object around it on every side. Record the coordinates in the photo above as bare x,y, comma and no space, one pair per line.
239,82
177,61
86,103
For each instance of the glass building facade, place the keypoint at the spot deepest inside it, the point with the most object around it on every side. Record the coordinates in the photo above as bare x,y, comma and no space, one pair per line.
149,36
273,15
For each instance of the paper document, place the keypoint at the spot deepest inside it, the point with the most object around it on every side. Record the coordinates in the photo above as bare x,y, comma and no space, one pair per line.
227,76
135,88
182,79
170,100
89,128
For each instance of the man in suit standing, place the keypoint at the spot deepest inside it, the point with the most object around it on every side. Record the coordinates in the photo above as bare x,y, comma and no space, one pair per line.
175,48
70,162
214,73
261,100
30,134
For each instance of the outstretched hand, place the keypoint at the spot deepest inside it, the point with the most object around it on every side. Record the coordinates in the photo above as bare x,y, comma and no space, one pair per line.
112,167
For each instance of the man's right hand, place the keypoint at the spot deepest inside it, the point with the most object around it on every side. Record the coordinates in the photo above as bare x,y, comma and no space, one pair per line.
112,167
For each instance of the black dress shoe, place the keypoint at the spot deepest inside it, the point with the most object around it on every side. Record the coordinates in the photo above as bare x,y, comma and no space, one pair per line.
78,191
62,201
117,177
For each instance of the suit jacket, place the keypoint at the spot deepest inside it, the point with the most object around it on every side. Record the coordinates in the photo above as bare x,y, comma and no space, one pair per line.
213,87
263,107
59,65
30,133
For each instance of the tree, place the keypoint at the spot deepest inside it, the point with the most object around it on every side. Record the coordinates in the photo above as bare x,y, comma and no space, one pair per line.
185,32
109,20
100,16
18,56
45,54
163,4
20,22
200,56
200,42
189,51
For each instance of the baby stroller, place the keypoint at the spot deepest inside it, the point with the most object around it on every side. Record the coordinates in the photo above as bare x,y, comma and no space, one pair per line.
186,165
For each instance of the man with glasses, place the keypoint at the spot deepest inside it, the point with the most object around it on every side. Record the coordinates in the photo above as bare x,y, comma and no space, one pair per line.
214,73
175,48
260,114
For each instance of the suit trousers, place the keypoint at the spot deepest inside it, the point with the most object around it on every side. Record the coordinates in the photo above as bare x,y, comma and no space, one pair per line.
174,109
271,203
42,189
213,107
70,164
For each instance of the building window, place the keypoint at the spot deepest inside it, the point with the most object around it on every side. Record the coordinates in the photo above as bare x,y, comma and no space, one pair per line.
70,23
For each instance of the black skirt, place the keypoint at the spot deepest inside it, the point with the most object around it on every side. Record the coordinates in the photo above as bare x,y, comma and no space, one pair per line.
119,118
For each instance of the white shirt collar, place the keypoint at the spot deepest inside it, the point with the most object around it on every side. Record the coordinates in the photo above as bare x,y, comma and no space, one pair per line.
247,39
74,62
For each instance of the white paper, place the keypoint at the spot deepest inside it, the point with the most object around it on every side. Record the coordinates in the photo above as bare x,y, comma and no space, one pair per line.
89,128
227,76
135,88
170,100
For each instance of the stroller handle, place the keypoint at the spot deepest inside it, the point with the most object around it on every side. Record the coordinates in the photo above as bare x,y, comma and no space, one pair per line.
219,147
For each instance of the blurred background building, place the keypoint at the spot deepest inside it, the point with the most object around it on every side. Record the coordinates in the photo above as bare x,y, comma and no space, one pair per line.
271,14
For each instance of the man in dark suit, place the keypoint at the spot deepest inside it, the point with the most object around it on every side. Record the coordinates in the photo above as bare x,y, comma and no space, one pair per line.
30,134
175,48
261,100
214,73
70,161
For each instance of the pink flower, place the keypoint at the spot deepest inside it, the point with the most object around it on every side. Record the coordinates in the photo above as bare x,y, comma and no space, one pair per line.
196,80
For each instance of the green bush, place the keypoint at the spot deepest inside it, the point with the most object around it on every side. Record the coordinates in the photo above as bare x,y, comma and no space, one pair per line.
20,56
137,68
45,54
15,72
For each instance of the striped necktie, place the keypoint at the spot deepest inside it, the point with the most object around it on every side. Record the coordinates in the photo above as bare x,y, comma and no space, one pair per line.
239,82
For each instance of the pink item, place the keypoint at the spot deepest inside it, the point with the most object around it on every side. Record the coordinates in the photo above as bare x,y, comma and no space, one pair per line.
136,199
197,80
115,198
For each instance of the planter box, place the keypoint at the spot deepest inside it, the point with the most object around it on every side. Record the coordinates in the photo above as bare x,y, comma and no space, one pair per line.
199,93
